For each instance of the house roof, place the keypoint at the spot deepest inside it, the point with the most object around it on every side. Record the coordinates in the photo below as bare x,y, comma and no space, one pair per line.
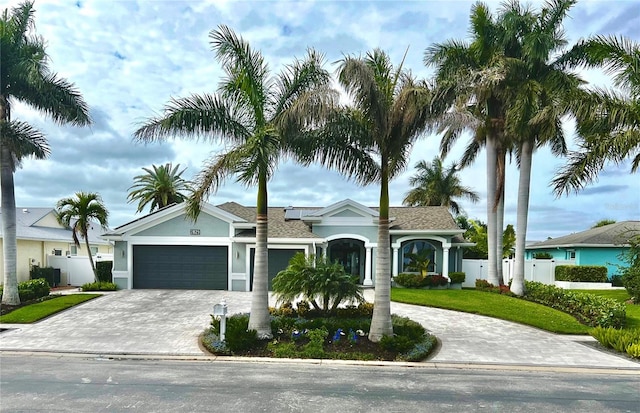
422,218
612,235
32,224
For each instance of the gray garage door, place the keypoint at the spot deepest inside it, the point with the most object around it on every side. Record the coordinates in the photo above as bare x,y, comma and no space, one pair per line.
180,267
278,261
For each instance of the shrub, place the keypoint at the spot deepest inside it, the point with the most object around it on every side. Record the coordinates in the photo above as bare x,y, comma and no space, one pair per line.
589,309
323,284
624,341
484,285
616,280
542,256
436,280
396,344
237,336
99,286
32,289
48,273
410,280
631,282
403,326
581,273
457,277
103,271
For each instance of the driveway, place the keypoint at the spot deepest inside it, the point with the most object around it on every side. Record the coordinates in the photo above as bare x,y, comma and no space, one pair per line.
168,322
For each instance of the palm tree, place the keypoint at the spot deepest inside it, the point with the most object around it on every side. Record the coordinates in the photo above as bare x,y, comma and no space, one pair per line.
161,186
262,118
436,186
470,78
25,77
542,98
370,141
78,214
607,121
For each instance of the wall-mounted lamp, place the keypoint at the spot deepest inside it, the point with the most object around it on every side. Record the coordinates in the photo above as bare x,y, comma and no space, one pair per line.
237,255
122,253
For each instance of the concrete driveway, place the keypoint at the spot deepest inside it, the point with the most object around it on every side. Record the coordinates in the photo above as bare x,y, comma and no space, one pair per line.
168,322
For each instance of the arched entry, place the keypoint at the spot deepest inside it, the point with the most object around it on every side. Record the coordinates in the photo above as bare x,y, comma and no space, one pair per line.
350,253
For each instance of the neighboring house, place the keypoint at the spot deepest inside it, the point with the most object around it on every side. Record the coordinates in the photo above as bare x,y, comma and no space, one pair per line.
40,235
167,250
596,246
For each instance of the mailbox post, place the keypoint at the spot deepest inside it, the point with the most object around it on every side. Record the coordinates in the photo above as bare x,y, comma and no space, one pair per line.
220,310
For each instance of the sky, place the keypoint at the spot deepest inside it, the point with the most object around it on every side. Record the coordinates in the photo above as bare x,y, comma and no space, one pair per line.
129,58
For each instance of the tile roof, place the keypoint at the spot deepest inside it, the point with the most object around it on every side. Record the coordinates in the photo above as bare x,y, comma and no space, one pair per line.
422,218
607,235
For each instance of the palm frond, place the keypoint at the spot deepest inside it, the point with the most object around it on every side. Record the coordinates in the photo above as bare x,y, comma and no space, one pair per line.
23,140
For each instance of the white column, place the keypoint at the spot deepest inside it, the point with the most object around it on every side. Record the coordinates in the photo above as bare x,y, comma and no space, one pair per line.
324,250
394,262
367,267
445,262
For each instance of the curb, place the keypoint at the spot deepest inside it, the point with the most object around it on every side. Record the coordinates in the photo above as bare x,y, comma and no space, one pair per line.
623,371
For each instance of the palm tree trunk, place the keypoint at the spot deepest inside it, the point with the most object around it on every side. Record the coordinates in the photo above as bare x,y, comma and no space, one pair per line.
492,157
93,265
526,158
500,232
381,319
9,243
259,317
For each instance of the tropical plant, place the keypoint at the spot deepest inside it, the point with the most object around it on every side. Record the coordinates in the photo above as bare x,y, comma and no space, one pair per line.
434,185
544,94
477,234
79,213
160,186
608,121
25,77
470,79
324,284
370,141
419,261
262,118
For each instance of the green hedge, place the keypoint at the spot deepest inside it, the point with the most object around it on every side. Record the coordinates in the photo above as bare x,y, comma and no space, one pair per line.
582,273
624,341
457,277
32,289
99,286
631,281
589,309
103,271
409,280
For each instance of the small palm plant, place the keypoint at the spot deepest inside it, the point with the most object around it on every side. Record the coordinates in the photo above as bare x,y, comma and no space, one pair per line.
324,284
419,261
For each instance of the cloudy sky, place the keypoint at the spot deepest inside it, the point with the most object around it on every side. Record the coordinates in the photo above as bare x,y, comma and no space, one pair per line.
128,58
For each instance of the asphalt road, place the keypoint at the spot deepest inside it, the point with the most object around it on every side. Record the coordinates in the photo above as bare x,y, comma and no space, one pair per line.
75,384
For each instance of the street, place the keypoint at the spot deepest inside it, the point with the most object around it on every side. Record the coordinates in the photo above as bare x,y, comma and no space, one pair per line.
76,384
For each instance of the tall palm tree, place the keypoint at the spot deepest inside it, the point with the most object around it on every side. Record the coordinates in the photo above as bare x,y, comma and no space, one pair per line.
545,89
608,121
471,79
161,186
436,186
370,141
25,77
78,213
262,118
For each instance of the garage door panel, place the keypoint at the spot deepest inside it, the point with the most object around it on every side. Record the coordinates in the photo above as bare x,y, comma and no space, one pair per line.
180,267
278,261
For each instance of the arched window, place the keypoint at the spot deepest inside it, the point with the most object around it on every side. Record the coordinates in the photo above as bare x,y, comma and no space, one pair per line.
415,247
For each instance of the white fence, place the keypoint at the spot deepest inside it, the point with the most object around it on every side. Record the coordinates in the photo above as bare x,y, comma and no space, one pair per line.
75,270
534,270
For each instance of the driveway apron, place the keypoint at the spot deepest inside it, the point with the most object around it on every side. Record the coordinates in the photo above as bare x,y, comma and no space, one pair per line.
168,322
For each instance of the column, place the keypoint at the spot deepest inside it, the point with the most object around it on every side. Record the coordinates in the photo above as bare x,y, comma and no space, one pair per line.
367,267
445,262
394,262
324,250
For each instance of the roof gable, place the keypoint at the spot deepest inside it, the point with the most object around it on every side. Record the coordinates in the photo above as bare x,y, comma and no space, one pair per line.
606,236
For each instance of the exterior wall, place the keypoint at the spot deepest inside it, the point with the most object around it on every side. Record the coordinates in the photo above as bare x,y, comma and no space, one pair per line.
347,213
120,256
208,226
609,257
556,253
49,221
369,232
238,258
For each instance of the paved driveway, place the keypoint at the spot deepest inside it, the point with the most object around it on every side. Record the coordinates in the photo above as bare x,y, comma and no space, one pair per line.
168,322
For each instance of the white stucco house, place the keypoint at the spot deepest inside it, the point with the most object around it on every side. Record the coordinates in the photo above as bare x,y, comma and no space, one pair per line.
165,249
40,236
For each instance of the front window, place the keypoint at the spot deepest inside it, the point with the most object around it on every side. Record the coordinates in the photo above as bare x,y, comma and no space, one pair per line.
74,250
94,250
422,250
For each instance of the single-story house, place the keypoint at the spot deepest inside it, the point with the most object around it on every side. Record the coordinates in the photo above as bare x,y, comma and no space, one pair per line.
165,249
39,235
596,246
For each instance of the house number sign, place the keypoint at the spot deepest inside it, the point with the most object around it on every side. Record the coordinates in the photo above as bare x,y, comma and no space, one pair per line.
195,232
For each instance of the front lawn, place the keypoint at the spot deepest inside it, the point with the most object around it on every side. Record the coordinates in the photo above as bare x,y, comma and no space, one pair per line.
34,312
493,305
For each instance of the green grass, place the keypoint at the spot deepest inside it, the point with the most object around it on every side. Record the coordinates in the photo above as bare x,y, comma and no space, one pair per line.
493,305
34,312
633,310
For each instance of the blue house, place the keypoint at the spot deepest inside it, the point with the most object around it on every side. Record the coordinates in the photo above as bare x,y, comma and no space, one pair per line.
596,246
